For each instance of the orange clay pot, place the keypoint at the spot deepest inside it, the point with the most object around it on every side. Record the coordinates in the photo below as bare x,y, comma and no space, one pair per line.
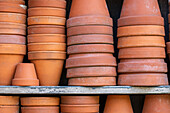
9,100
47,3
99,9
143,30
46,38
40,101
40,109
13,1
11,25
47,47
168,47
10,56
142,52
156,104
118,104
141,41
48,63
12,39
87,48
5,31
9,109
143,79
90,39
46,20
79,100
25,75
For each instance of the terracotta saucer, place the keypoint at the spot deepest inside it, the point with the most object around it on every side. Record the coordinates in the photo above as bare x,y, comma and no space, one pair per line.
12,39
9,100
13,1
40,109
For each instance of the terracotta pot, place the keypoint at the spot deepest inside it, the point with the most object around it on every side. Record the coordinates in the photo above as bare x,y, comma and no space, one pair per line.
142,52
90,39
13,17
47,3
40,109
5,31
9,100
89,20
142,66
91,72
87,48
84,30
156,104
48,63
143,79
47,47
85,60
12,39
79,100
141,41
118,104
10,56
40,101
92,81
9,109
46,20
46,29
143,30
99,9
13,1
168,47
46,38
25,75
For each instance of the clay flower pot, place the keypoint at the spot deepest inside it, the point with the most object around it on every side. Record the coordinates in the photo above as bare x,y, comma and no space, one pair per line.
12,39
9,100
10,56
118,104
79,100
156,104
9,109
168,48
48,63
40,101
13,1
40,109
25,75
143,79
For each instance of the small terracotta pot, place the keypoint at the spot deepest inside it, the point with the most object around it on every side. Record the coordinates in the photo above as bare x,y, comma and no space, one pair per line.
46,29
12,39
142,52
10,25
87,48
143,79
79,100
118,104
90,39
92,81
84,30
91,72
47,47
40,109
13,1
141,41
25,75
9,100
47,3
40,101
46,20
142,30
4,31
168,47
46,38
9,109
156,104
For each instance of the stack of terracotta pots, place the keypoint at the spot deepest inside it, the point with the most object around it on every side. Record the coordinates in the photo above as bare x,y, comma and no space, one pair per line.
168,43
46,39
12,37
40,104
79,104
141,44
90,44
9,104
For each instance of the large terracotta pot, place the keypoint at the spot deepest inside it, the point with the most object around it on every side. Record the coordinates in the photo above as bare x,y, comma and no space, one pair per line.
40,109
13,1
118,104
12,39
9,100
9,109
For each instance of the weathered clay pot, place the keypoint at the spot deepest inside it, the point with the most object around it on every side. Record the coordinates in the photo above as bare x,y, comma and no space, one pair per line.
13,1
46,29
47,47
48,63
79,100
90,39
143,79
156,104
9,100
141,41
46,38
12,39
118,104
10,56
142,52
25,75
11,25
40,101
9,109
40,109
